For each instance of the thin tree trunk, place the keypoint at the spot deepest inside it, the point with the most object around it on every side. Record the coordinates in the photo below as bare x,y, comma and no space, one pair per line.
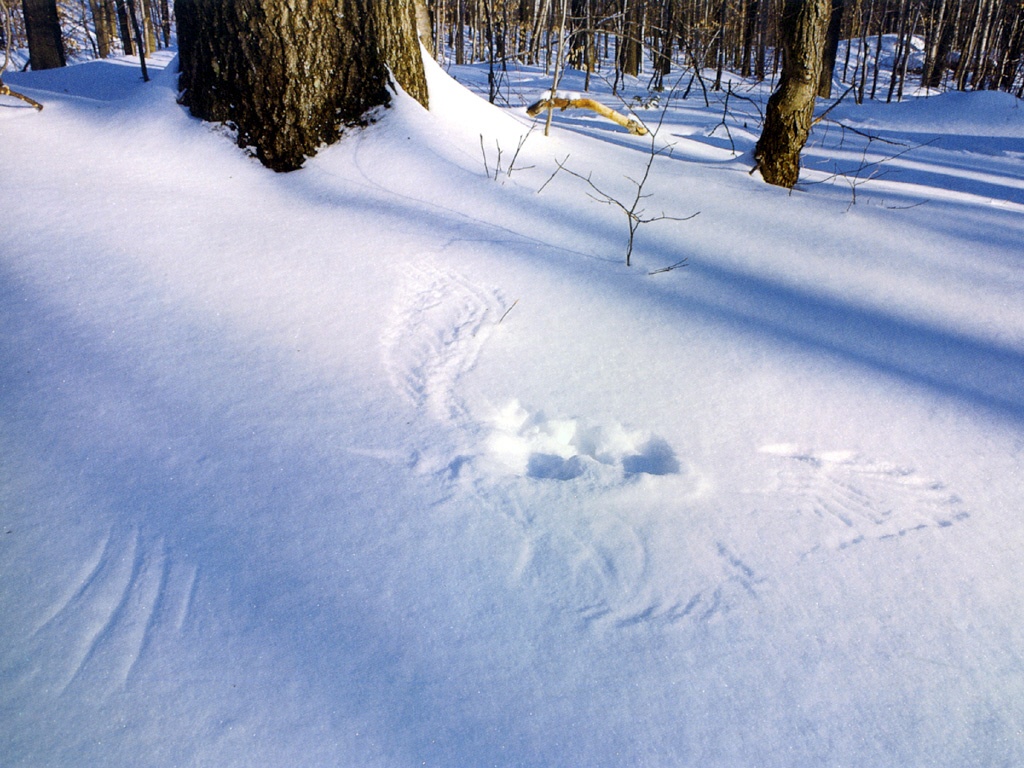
878,48
982,59
763,11
124,28
853,32
630,45
721,47
1013,51
906,53
862,76
967,53
100,25
902,43
828,62
139,40
459,32
934,26
146,22
109,15
750,9
558,66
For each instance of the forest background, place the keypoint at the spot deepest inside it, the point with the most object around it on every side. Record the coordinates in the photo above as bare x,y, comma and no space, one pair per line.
942,44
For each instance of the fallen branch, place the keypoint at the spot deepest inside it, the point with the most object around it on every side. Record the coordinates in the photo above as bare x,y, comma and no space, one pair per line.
6,91
630,124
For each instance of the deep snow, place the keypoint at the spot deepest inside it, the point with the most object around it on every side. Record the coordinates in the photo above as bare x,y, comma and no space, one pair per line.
390,462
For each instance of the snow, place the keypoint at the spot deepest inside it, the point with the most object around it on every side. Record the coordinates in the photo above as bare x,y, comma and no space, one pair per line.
393,461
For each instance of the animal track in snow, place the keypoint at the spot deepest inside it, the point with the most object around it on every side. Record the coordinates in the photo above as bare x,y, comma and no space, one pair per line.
609,573
729,584
586,558
591,563
98,630
854,500
440,323
543,448
585,564
588,552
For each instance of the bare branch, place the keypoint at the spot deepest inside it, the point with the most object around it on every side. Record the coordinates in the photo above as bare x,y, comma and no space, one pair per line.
561,167
681,263
833,105
487,170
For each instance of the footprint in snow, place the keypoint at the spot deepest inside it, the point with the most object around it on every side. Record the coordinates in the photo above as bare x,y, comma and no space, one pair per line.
854,500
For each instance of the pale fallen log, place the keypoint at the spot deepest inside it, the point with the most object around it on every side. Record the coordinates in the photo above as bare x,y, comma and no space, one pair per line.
631,124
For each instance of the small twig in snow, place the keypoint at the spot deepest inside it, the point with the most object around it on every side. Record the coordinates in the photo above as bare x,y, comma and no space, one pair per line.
507,311
681,263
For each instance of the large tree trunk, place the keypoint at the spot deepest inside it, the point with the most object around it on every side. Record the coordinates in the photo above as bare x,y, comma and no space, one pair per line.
287,74
790,109
424,26
42,27
394,22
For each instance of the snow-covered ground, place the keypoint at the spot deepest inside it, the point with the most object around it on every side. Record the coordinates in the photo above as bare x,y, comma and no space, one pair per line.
392,462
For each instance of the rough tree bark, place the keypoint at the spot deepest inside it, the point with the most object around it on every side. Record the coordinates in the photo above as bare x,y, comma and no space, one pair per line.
790,109
42,27
424,26
288,74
